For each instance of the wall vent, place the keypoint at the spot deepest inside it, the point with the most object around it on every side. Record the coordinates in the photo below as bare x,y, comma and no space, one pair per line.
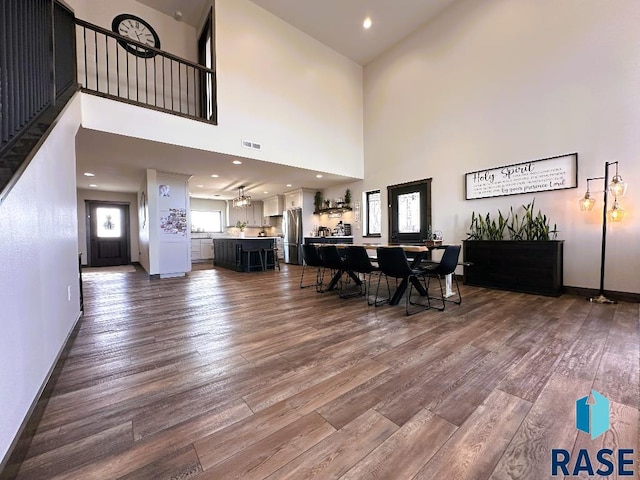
251,145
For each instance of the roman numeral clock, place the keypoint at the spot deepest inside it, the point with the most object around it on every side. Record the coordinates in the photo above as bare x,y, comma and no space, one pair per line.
136,29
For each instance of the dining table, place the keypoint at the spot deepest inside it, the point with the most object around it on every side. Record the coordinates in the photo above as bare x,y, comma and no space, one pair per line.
416,254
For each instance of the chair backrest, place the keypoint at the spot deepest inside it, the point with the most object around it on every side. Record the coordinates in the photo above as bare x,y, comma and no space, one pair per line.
392,261
311,256
449,260
331,257
358,260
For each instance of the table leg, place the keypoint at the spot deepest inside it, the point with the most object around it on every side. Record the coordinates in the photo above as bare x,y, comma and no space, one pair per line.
448,290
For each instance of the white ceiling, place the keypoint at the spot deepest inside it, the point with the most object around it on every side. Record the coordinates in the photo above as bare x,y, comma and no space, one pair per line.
338,23
119,162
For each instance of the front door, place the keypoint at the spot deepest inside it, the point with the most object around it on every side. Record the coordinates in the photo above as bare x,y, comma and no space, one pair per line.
108,233
409,212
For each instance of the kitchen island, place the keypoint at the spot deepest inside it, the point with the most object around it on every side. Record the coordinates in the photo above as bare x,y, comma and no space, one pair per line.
241,253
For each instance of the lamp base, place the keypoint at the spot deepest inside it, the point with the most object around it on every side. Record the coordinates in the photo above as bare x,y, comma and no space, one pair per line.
602,299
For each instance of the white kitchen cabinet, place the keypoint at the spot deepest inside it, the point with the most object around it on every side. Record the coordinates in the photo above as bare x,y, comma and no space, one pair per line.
293,199
206,249
195,250
273,206
252,215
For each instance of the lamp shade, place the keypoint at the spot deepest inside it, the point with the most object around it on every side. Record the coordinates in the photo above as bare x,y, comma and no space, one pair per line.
617,187
242,200
586,202
615,213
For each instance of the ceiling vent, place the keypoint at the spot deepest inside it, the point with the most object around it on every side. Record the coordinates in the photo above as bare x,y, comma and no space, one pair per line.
251,145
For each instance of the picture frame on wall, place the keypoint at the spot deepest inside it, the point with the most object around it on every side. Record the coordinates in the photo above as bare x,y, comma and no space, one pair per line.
553,173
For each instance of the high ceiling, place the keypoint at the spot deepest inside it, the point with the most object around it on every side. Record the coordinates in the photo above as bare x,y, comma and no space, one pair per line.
119,162
336,23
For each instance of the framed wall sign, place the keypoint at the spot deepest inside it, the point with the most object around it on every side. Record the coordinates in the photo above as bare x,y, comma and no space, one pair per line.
554,173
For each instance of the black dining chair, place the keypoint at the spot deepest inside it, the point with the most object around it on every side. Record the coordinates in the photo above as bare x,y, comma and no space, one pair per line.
446,266
393,262
331,258
311,258
358,261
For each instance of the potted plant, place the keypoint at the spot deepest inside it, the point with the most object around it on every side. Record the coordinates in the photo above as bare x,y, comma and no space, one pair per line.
513,252
347,198
317,201
241,225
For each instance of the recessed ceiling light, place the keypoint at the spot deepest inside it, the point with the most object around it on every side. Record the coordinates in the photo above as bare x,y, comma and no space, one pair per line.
367,23
265,192
237,162
214,176
93,185
89,174
200,186
318,176
289,185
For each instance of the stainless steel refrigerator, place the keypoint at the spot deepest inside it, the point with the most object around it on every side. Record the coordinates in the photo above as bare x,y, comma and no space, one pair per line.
293,236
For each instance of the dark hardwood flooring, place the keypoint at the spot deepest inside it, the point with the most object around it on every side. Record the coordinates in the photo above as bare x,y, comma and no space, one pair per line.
229,375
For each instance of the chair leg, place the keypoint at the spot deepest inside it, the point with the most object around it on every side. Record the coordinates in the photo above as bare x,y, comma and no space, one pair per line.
377,302
319,279
423,306
443,298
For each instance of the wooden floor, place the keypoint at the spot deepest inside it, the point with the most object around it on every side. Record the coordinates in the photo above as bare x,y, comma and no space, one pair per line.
230,375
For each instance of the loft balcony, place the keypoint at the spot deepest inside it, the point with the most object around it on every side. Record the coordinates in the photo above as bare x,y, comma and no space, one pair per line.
150,78
48,55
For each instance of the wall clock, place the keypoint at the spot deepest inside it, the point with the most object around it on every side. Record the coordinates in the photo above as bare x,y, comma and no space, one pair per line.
136,29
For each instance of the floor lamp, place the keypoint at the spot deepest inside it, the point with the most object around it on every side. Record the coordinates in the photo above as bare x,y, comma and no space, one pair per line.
617,188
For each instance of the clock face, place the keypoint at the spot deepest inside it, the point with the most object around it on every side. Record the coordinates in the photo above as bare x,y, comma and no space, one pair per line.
136,29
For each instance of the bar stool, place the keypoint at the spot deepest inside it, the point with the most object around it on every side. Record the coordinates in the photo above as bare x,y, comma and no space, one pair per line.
276,260
248,263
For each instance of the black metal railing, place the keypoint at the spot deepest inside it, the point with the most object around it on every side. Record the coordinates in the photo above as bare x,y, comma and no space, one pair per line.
31,45
156,79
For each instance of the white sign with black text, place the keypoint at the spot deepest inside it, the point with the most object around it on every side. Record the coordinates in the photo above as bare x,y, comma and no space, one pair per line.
555,173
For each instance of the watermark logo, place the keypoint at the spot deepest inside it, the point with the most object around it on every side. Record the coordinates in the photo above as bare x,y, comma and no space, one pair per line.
593,418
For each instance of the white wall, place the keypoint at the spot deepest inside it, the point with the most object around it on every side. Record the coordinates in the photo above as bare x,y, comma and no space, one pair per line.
496,82
39,259
176,37
276,86
130,198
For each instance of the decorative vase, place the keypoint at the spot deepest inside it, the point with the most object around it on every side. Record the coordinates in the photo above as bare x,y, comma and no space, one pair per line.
241,234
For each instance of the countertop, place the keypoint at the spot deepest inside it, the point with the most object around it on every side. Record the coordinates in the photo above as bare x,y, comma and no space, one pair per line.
334,236
246,238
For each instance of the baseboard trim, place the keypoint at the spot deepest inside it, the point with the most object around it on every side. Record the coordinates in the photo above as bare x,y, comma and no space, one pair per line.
594,292
18,449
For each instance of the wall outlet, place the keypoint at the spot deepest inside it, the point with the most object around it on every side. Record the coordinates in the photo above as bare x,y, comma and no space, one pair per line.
68,293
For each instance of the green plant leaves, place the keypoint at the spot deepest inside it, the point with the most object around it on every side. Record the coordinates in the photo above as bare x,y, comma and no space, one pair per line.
528,227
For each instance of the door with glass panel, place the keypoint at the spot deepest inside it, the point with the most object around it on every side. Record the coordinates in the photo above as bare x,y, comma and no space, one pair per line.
409,212
108,234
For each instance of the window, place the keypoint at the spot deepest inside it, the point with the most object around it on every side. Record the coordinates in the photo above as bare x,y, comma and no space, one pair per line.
409,212
206,221
373,214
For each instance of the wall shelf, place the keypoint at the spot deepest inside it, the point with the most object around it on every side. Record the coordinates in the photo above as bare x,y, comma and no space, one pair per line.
323,211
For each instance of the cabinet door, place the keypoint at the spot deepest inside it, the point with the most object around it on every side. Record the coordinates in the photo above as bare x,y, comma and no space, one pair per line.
269,206
206,249
257,213
195,250
293,200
